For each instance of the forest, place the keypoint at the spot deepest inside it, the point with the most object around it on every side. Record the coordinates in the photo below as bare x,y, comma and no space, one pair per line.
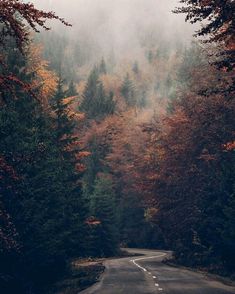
116,130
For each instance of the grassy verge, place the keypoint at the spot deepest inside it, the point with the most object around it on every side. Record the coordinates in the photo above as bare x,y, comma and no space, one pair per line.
82,274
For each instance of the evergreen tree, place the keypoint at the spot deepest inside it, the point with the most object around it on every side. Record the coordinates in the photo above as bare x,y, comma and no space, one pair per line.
103,209
135,68
128,92
75,211
102,67
95,103
142,101
44,205
64,126
109,105
37,205
150,56
72,91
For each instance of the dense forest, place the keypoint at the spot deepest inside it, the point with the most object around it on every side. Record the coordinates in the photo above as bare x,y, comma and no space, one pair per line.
103,149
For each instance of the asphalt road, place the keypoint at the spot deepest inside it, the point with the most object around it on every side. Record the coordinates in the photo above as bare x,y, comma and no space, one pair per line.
147,275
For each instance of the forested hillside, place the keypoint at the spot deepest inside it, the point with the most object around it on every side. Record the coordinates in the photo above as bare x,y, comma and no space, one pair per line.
120,134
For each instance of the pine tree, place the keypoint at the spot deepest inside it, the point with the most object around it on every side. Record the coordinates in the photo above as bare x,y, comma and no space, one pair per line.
66,140
44,205
72,91
135,68
37,205
142,99
103,209
102,67
150,56
95,103
128,92
64,126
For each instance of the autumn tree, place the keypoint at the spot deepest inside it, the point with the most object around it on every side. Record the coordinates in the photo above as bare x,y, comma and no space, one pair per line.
192,177
15,19
218,18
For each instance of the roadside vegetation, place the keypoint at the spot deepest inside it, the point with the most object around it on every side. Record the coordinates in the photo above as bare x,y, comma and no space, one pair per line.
102,151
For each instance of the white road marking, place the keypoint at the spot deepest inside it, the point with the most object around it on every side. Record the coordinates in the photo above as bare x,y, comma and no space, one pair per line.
144,269
143,258
150,257
139,266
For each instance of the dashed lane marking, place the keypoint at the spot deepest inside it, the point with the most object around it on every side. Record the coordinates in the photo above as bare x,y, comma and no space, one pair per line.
144,269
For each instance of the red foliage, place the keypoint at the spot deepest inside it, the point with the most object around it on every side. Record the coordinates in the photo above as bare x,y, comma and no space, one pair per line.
15,20
218,19
15,15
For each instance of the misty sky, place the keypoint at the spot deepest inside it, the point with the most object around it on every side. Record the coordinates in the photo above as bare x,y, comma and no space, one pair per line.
118,24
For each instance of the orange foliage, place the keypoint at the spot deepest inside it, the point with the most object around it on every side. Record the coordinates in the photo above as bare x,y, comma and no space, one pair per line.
45,81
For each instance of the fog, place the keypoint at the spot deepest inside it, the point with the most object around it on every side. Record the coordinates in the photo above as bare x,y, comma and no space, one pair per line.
120,25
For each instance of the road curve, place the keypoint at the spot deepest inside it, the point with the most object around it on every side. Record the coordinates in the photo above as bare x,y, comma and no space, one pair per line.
146,274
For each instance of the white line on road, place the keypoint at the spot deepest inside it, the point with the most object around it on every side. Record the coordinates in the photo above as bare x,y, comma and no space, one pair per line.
144,269
150,257
144,258
139,266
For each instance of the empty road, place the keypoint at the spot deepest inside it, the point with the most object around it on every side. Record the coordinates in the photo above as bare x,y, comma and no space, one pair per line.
147,275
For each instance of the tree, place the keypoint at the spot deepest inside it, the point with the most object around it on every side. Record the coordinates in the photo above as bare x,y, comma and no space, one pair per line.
102,67
193,179
72,91
150,56
95,103
127,91
142,99
14,15
36,206
103,209
218,17
135,68
40,197
64,127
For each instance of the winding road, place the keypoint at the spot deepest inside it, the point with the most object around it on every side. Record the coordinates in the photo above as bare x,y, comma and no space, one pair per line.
146,274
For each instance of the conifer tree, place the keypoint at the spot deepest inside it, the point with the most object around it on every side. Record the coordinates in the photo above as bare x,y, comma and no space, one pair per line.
44,205
66,140
72,91
150,56
102,67
103,209
95,103
142,101
135,68
128,92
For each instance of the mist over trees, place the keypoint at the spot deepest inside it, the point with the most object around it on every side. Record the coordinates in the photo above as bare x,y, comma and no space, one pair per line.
117,131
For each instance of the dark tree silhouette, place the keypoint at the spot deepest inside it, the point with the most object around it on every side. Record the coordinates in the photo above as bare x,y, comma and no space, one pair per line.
219,24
